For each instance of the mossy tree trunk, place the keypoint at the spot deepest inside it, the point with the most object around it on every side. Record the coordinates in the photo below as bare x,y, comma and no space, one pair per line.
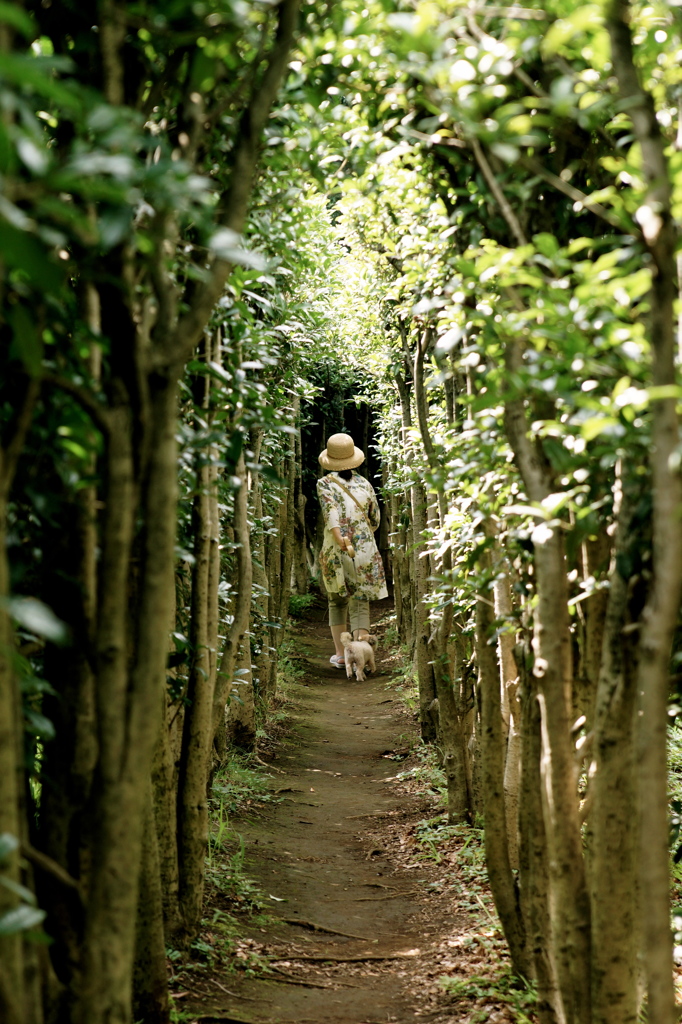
660,616
263,660
198,718
612,790
14,993
502,881
452,716
425,677
237,637
569,900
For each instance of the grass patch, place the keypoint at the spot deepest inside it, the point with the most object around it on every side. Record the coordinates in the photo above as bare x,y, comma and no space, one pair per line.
237,785
272,715
299,603
240,785
484,991
404,681
426,773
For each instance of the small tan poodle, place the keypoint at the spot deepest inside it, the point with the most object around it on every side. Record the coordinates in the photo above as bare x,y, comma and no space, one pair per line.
358,654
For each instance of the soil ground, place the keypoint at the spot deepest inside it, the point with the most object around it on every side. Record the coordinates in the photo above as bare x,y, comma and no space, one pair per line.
362,918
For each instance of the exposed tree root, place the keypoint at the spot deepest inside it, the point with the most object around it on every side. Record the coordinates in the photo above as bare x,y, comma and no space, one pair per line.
321,928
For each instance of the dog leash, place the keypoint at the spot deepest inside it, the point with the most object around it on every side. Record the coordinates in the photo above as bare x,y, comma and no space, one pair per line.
353,498
364,515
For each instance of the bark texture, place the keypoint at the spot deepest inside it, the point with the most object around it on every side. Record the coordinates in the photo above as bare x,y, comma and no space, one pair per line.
502,881
569,900
613,875
660,614
236,637
198,719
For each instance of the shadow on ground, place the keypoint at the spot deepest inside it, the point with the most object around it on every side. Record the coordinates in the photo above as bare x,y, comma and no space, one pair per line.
357,935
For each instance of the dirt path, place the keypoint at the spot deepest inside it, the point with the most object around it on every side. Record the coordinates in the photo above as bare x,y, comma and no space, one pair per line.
362,930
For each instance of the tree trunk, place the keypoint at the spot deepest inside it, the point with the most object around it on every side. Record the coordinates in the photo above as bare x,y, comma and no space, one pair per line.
397,558
661,613
164,786
213,611
287,523
64,832
595,563
427,686
612,796
105,986
552,645
15,1001
128,697
300,559
241,710
510,705
512,773
273,554
242,602
12,988
453,734
150,976
262,661
502,882
69,759
197,727
533,853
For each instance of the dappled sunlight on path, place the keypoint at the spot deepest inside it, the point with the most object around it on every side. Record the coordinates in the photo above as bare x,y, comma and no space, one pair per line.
362,927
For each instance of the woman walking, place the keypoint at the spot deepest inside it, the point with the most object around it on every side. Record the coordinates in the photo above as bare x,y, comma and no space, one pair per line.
352,570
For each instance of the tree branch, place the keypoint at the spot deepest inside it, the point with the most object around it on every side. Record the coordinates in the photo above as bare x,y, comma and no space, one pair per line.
49,866
164,289
660,616
502,201
112,33
529,457
9,454
236,198
535,167
97,413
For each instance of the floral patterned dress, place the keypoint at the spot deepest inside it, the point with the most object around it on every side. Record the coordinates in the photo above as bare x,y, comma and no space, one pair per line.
361,577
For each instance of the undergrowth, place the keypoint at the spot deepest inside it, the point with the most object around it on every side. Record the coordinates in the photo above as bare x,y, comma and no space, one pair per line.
675,804
272,715
501,987
459,851
299,603
427,773
242,785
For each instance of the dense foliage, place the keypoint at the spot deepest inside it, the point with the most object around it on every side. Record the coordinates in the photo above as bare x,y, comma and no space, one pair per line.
228,230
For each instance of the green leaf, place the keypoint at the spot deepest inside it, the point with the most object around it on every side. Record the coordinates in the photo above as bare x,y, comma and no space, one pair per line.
525,510
20,920
546,244
37,73
37,618
39,725
564,29
18,890
12,14
226,244
510,154
8,844
23,252
597,425
26,344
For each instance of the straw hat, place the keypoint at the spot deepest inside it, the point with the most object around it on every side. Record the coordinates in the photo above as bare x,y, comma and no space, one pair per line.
341,453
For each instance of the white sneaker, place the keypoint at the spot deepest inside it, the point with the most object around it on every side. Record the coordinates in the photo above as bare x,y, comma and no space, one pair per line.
337,660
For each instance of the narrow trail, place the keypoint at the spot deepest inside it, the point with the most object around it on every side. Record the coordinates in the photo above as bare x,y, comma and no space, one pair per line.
357,936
